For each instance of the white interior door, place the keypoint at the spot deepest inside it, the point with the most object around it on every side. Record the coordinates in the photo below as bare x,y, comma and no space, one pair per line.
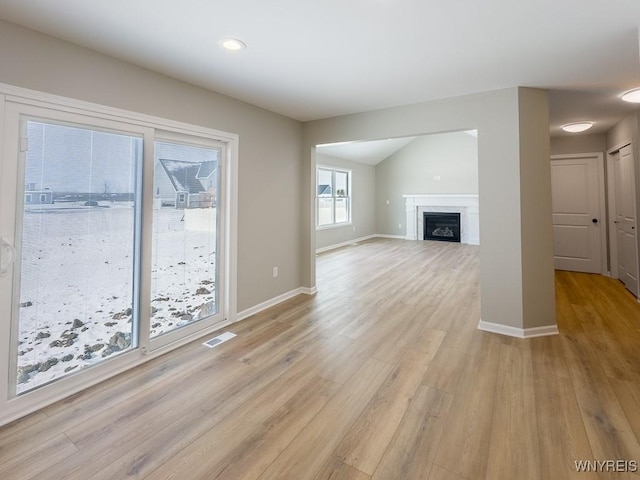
625,219
577,197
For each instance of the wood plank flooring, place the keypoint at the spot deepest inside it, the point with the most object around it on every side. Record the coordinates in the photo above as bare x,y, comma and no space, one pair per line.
382,375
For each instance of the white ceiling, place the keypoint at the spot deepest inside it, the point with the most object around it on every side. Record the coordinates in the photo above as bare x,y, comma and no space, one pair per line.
371,153
311,59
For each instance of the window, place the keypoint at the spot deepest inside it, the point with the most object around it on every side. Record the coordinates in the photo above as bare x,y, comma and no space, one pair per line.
43,198
27,198
333,197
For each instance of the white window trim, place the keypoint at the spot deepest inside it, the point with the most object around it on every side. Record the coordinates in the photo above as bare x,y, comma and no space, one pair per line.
16,407
350,197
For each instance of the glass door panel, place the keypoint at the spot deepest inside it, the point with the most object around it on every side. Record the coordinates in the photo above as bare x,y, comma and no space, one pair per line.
77,238
184,276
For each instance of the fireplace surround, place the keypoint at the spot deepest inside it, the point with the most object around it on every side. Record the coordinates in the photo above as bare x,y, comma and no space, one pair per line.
467,205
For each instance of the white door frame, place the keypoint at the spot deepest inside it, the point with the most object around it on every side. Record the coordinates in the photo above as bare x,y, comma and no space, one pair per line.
602,215
12,408
611,200
611,203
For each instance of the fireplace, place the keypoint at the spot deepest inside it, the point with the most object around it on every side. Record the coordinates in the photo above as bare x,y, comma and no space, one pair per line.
466,205
443,227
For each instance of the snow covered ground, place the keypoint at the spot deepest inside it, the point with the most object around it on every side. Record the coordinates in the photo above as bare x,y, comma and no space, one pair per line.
76,296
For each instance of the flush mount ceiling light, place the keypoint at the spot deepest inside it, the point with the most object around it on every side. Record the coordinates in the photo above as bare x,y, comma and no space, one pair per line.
233,44
577,127
632,96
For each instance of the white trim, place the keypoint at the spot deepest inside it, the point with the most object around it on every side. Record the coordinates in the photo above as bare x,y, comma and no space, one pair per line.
356,240
466,204
344,244
613,238
518,332
16,407
231,231
274,301
72,105
617,147
611,202
397,237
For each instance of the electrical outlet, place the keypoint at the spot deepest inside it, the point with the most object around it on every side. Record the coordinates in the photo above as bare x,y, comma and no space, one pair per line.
275,272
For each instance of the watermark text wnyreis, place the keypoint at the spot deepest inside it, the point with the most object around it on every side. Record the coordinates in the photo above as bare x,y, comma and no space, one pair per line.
617,466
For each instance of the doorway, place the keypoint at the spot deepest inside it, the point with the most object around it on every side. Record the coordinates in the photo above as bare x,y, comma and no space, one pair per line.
384,172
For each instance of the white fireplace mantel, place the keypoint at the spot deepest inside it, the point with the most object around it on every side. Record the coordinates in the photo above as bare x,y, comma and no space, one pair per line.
466,205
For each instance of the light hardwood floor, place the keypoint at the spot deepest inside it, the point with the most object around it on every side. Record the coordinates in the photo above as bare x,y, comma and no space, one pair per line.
381,375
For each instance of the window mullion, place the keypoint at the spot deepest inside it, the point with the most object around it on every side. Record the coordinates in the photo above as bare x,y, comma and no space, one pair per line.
144,245
333,193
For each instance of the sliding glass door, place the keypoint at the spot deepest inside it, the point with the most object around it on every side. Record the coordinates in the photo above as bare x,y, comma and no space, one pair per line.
111,244
79,213
184,280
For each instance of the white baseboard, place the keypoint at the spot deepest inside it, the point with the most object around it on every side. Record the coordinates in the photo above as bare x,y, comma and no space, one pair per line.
518,332
274,301
344,244
356,240
399,237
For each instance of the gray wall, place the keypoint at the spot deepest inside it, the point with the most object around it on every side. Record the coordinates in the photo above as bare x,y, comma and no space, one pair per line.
628,130
411,170
276,169
516,273
270,168
538,279
625,131
566,145
363,212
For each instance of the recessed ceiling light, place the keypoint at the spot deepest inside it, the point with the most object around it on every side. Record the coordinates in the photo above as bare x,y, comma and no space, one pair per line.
632,96
577,127
233,44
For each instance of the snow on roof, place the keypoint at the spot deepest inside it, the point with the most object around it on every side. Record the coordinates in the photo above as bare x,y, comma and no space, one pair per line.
183,175
324,189
206,169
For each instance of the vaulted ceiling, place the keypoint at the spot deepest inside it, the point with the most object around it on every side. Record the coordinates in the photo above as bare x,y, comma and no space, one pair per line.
311,59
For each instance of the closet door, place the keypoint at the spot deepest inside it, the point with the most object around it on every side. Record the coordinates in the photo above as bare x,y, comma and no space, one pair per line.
625,219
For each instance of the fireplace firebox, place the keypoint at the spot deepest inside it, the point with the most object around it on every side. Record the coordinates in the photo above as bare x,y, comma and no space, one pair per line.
443,227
